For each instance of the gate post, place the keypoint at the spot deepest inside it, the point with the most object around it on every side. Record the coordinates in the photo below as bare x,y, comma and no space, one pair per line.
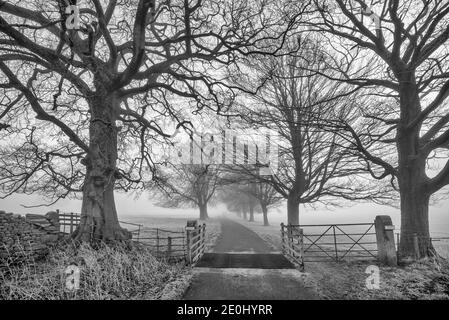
169,248
301,250
192,225
188,249
386,250
283,237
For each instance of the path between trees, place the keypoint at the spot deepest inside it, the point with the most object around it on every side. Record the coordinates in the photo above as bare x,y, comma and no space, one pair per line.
243,266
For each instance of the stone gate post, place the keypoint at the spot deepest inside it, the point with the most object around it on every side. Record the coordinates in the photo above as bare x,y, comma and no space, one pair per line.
386,249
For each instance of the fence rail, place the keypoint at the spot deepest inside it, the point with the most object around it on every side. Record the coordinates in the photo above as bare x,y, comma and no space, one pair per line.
68,223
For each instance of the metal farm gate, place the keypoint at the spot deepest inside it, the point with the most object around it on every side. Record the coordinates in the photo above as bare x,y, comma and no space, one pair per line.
330,242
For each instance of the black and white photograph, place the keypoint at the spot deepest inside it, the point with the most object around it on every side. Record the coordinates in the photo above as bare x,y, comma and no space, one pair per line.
216,157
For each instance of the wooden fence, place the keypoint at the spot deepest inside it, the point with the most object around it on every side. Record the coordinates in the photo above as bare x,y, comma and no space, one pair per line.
68,223
438,240
173,245
293,244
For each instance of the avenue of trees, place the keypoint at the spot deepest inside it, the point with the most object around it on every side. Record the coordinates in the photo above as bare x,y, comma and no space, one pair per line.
354,90
187,185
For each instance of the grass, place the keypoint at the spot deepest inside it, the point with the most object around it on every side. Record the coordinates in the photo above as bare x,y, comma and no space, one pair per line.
423,280
107,272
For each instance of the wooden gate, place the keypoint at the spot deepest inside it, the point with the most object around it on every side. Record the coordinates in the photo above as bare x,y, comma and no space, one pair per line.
293,244
196,243
166,244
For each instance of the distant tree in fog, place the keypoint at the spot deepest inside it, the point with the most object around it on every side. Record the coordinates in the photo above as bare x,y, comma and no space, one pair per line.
187,185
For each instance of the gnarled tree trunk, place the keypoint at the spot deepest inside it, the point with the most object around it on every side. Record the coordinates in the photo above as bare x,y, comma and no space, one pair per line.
414,224
412,177
99,220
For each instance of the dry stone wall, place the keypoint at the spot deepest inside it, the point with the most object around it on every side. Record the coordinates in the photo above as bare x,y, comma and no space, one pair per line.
26,238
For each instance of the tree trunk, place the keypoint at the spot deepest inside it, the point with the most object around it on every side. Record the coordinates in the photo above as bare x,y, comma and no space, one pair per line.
412,177
414,202
203,211
99,220
414,224
293,209
265,215
251,212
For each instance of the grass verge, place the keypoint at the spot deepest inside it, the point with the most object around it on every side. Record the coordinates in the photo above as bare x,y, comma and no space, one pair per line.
108,272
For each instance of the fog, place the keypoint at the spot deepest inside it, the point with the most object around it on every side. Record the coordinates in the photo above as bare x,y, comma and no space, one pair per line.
127,205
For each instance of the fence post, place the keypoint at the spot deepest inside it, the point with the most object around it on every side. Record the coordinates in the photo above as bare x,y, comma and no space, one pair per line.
290,238
157,242
335,244
169,247
386,249
59,220
397,240
416,246
301,250
71,222
283,237
188,252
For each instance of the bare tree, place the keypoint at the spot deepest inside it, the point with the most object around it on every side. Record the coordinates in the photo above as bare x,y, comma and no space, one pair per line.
268,197
188,184
397,51
315,164
242,181
237,198
82,104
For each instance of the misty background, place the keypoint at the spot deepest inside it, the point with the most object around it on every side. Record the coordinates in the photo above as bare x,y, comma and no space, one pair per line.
128,205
